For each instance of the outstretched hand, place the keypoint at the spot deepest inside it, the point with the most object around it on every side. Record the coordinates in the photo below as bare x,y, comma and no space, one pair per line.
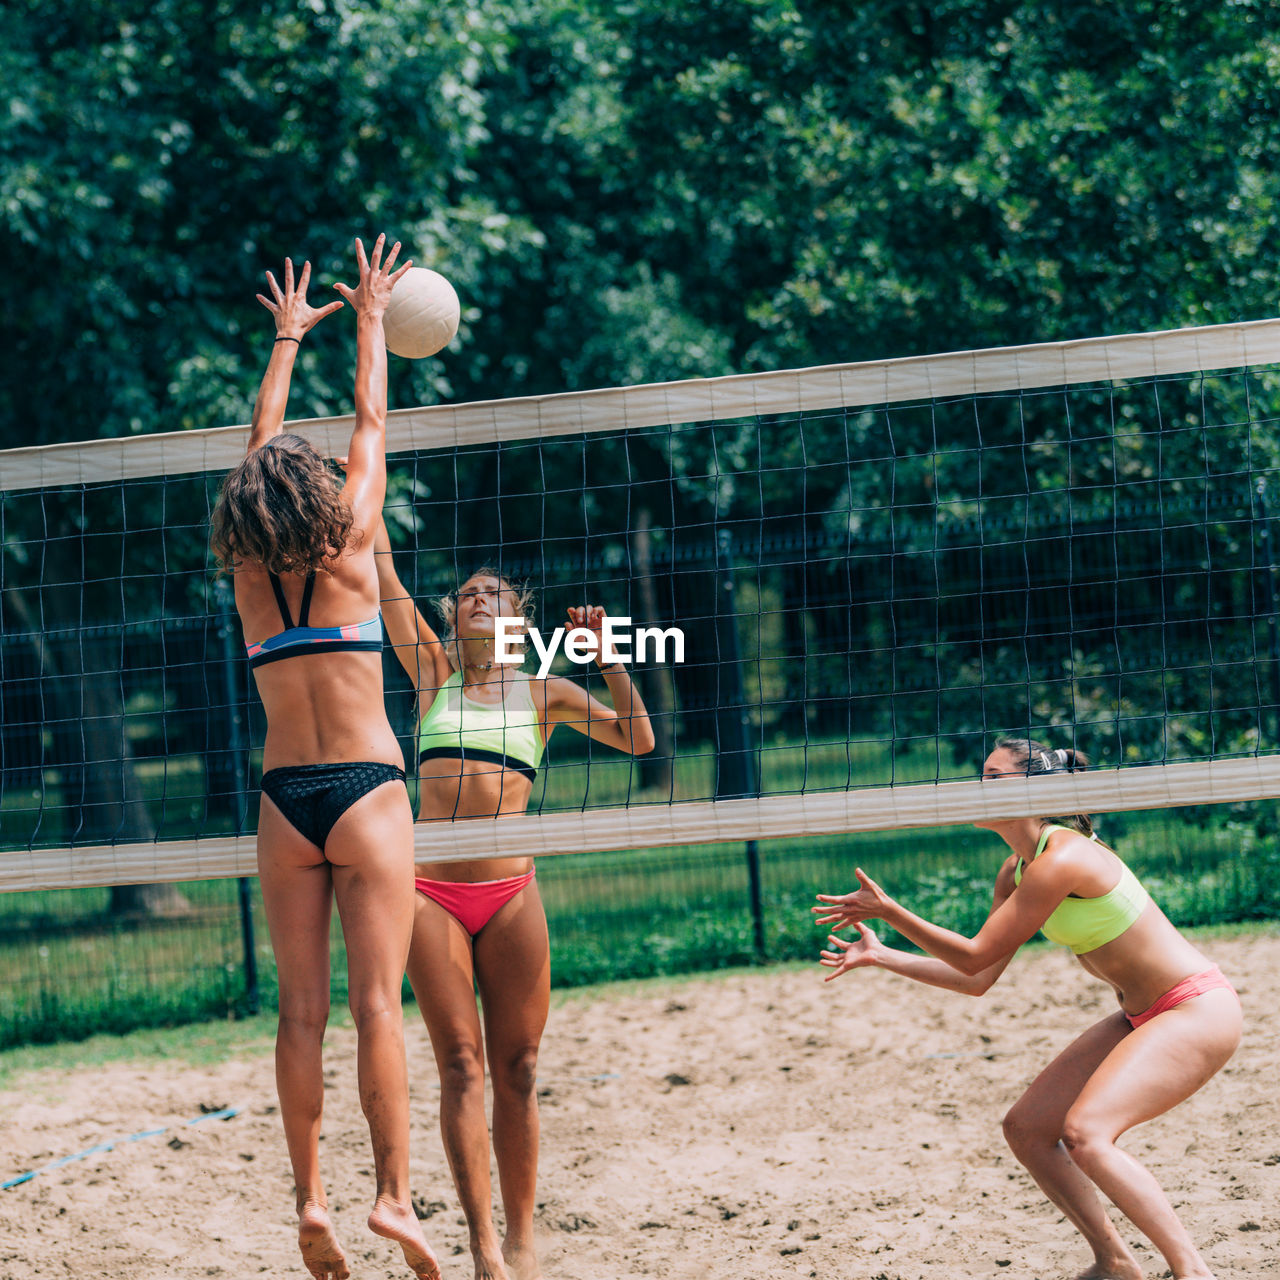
294,316
845,955
589,618
866,903
373,291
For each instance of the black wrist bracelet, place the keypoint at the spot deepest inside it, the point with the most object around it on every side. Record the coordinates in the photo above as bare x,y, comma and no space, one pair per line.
286,338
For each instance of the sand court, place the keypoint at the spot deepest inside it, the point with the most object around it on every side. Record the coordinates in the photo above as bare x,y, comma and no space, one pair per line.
748,1123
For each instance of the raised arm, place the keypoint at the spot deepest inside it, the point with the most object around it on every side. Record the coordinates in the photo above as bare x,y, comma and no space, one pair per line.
625,726
417,646
869,952
367,453
294,318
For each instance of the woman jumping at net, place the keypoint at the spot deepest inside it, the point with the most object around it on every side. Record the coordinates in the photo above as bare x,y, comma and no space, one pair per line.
1179,1019
335,820
482,727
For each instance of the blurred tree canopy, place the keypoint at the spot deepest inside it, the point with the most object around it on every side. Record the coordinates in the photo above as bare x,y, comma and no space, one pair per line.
620,191
633,191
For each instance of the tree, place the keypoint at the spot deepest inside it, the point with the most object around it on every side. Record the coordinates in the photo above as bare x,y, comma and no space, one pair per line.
620,193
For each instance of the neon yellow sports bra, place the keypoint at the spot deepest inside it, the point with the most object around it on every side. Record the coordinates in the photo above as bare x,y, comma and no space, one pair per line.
507,733
1085,924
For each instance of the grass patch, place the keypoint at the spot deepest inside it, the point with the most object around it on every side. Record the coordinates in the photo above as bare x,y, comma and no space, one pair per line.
668,911
69,969
199,1045
33,1067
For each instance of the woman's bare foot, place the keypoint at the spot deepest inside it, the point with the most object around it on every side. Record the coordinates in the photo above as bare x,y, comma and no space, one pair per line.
1113,1269
321,1253
490,1264
398,1222
522,1261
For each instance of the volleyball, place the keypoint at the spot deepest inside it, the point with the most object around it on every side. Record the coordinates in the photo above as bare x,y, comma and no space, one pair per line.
422,316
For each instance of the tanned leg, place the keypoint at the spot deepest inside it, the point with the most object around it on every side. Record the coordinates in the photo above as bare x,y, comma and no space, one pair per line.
513,968
297,893
1150,1071
1034,1128
371,851
440,969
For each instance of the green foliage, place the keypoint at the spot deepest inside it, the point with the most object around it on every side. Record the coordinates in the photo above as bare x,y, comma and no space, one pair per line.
159,157
69,968
620,192
637,191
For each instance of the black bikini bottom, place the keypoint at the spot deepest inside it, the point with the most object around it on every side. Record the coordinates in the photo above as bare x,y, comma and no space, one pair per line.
314,796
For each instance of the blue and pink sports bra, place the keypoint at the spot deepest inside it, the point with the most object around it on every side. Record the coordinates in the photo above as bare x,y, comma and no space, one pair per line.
294,641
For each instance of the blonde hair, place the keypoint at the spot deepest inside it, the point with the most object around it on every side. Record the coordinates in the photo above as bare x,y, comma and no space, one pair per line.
447,607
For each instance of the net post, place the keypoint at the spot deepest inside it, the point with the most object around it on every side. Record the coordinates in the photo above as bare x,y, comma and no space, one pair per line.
1263,521
657,769
235,745
736,772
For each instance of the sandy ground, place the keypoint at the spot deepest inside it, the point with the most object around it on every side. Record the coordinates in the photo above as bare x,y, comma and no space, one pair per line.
751,1124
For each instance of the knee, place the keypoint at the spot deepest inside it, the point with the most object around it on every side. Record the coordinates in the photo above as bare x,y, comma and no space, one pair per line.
1023,1132
461,1068
303,1019
372,1011
1084,1140
516,1072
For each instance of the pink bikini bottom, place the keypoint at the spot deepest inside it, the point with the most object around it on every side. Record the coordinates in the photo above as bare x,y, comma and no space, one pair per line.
1187,989
473,904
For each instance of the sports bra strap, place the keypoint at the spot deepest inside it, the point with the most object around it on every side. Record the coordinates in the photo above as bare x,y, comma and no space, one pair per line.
304,611
1057,826
282,604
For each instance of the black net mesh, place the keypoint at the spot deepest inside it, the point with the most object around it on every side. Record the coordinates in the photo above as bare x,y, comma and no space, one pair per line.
866,597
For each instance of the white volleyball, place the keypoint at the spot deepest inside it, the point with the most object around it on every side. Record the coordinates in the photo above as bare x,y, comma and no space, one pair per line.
422,316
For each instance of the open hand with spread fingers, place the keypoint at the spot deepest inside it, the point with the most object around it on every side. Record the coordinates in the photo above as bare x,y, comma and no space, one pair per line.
864,953
294,316
373,290
866,903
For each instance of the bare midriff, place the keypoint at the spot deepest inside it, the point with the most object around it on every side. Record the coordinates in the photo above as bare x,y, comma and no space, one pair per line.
450,789
1148,959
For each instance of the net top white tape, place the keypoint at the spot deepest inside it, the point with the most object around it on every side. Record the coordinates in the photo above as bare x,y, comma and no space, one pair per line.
873,382
654,826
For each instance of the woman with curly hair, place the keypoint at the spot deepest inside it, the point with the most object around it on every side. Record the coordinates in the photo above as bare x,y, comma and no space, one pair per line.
1178,1022
335,820
482,728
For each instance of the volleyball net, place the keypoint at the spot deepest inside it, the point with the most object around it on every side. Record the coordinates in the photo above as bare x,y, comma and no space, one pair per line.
876,568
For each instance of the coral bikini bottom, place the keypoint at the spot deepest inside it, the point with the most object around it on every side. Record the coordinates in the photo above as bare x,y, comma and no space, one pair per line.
473,904
1187,989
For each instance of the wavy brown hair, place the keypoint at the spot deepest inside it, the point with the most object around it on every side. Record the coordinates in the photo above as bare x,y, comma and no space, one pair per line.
281,508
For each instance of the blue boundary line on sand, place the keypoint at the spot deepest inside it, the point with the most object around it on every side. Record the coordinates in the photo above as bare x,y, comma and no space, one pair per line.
224,1114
